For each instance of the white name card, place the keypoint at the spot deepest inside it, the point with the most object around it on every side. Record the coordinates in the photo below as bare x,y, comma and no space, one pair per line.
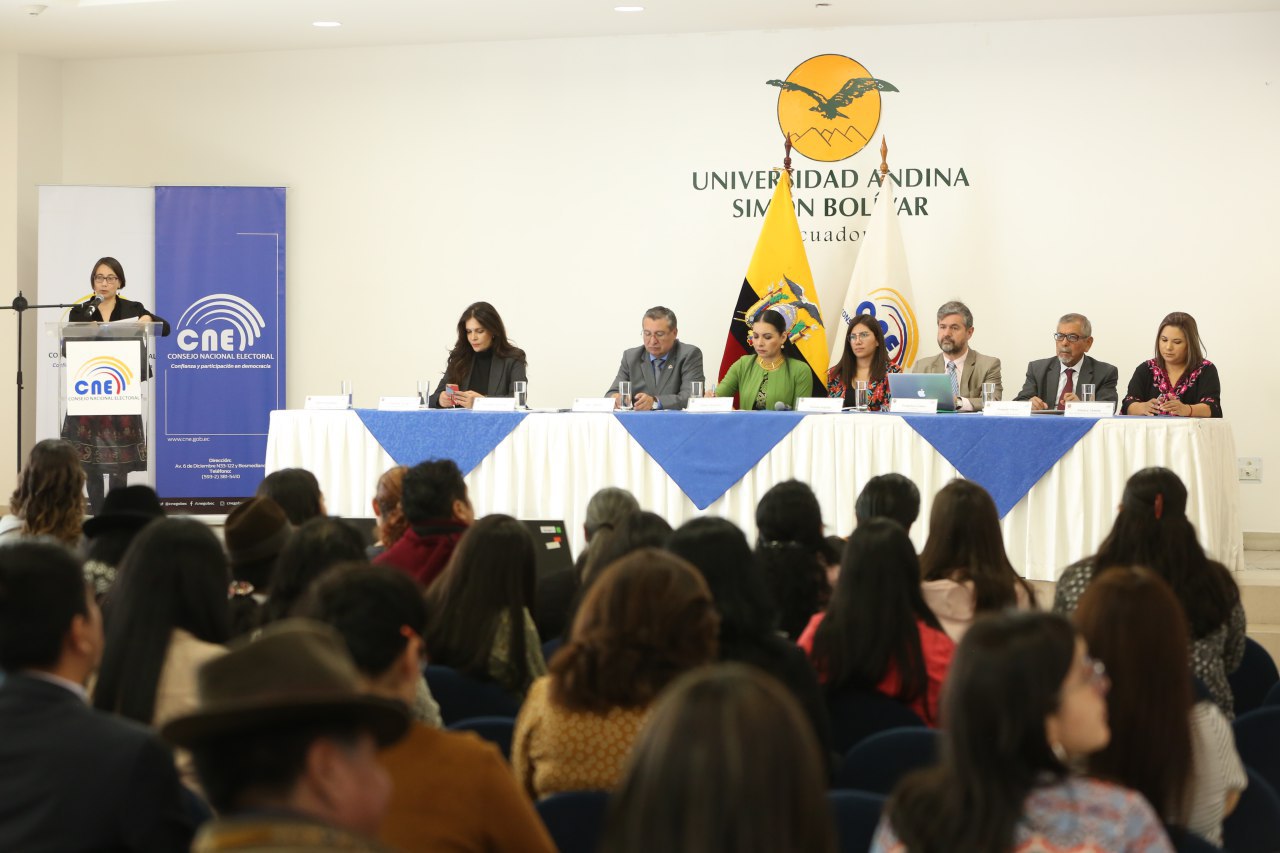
1008,408
913,406
593,404
1096,409
710,404
399,404
327,402
493,404
825,405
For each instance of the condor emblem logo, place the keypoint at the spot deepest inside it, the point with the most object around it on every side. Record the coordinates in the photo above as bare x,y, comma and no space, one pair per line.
829,106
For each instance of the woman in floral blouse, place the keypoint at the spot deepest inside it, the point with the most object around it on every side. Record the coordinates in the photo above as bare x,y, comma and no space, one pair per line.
1179,380
865,359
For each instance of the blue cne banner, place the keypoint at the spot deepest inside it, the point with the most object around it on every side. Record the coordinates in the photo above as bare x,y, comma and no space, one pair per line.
220,284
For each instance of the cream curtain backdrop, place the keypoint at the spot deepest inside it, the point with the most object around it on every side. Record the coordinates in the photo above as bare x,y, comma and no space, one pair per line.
1121,167
551,464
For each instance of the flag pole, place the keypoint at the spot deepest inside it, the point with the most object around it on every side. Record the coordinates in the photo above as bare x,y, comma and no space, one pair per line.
786,154
884,160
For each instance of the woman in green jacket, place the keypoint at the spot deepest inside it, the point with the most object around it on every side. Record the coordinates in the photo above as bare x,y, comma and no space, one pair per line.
767,378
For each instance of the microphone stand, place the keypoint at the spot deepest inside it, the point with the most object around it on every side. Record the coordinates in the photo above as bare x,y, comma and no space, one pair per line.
19,306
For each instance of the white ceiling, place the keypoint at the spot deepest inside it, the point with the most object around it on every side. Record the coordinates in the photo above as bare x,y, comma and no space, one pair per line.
110,28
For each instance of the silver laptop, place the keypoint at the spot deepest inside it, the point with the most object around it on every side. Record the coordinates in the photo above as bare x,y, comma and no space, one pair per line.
923,386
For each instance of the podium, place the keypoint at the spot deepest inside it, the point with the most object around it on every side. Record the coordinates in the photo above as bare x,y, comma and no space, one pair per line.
104,398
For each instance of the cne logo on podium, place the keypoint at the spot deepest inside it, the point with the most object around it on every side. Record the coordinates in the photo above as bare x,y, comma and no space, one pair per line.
102,377
220,322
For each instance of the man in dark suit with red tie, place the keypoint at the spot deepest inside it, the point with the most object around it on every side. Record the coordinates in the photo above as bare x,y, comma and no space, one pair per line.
1053,382
71,778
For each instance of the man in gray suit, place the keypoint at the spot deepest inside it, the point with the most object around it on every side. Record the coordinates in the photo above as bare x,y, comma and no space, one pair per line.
663,370
1054,382
969,369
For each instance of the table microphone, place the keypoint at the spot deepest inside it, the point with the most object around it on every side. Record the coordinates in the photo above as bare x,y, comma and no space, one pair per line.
781,407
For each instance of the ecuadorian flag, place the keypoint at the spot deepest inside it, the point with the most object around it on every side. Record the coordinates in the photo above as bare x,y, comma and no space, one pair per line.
779,276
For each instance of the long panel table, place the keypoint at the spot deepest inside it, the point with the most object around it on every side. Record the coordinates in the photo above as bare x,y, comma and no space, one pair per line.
551,463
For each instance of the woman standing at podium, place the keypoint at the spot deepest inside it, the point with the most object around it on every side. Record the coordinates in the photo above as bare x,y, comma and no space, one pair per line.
108,445
769,379
482,363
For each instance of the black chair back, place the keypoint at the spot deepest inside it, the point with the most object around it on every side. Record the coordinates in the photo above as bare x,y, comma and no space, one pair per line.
1253,678
575,819
879,762
858,713
497,730
1254,827
856,815
1257,736
462,697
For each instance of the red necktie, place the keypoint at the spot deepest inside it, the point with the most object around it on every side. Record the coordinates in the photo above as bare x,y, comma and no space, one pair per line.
1066,389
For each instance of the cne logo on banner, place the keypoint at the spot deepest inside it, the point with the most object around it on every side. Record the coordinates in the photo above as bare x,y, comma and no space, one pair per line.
102,376
898,322
220,322
829,106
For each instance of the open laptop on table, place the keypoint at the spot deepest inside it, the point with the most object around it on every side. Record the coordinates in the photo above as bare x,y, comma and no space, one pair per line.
923,386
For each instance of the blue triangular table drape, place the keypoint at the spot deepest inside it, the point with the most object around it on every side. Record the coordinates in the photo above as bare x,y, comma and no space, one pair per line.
1006,458
706,454
465,437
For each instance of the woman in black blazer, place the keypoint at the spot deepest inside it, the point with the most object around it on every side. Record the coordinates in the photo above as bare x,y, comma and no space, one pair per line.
108,445
482,363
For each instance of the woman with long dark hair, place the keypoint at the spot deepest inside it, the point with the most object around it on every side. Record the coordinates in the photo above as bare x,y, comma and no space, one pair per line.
1178,753
719,551
480,619
1023,701
790,536
877,633
769,376
1152,530
166,616
647,620
964,566
313,548
1178,380
482,363
865,359
49,499
725,764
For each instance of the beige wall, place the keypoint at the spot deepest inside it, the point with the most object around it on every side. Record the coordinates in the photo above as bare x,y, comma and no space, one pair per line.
1122,168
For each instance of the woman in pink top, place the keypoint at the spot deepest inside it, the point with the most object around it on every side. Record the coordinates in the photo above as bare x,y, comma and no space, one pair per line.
964,565
877,633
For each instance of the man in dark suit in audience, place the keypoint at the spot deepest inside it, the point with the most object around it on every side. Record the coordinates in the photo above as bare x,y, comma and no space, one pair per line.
663,370
1053,382
71,778
968,369
433,498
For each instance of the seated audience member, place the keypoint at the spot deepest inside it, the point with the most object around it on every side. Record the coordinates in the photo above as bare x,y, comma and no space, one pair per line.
125,511
663,370
49,499
450,790
635,530
315,547
482,363
829,557
74,778
877,633
1023,702
790,535
167,616
967,368
1178,380
479,621
769,376
391,523
1053,382
889,496
1180,756
434,501
725,764
297,491
648,619
964,565
557,593
286,744
1152,530
719,551
865,359
255,533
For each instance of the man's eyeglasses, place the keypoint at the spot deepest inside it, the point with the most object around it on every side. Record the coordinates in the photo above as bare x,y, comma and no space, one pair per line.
102,279
657,336
1075,339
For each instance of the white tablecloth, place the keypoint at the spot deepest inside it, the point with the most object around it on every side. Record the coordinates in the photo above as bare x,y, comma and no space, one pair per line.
551,464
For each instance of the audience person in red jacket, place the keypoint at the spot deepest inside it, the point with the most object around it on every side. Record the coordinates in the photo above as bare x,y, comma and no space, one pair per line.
434,501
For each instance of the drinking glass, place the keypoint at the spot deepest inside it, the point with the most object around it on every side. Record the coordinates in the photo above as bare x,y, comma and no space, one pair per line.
624,396
520,390
860,401
988,393
697,389
424,392
1088,393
